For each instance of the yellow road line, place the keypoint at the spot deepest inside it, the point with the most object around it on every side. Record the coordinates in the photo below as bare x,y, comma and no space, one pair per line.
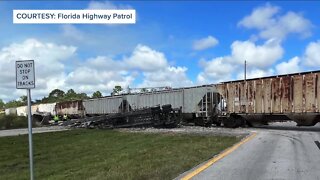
218,157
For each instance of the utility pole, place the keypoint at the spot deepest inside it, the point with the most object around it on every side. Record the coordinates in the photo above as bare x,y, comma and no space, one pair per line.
245,70
246,87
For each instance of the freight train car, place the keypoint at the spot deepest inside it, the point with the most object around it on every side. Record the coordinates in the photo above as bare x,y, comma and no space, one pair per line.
285,97
22,111
74,109
104,105
10,111
48,108
43,112
198,104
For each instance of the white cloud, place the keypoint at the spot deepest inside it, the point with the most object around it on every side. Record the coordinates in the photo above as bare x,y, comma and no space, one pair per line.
260,56
271,24
260,18
155,68
102,5
205,43
89,79
168,76
100,73
49,60
312,54
146,59
106,64
103,73
70,31
292,66
260,59
255,73
216,70
106,5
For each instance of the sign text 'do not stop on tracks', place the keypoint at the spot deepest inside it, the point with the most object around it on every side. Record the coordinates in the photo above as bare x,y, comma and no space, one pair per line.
25,74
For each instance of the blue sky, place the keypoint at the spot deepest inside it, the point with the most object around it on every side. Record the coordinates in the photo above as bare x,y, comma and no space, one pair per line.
173,43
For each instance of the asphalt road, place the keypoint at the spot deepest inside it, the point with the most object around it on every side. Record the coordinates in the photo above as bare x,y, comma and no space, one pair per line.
277,152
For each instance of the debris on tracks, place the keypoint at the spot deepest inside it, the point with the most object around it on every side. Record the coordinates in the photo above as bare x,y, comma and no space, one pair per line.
165,116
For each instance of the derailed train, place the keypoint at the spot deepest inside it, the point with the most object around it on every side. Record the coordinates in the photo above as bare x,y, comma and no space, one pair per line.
195,103
233,104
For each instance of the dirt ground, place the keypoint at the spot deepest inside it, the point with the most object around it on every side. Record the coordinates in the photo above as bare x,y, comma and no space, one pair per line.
197,130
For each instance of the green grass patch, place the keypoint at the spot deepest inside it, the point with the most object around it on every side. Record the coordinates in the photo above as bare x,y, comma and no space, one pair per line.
107,154
14,122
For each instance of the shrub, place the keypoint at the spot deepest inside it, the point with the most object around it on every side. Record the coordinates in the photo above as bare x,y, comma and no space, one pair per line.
13,122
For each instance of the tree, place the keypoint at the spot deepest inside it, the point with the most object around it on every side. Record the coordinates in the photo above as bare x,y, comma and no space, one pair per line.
56,93
45,100
82,96
1,104
143,90
71,92
71,95
38,101
14,103
96,94
24,99
117,89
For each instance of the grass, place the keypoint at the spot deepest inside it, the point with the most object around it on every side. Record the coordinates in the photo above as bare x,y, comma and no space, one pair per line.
13,122
107,154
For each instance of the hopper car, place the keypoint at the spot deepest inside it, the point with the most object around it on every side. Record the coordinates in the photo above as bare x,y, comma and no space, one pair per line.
294,97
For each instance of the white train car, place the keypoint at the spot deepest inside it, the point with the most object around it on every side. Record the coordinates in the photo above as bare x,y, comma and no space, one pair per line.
47,108
10,111
22,111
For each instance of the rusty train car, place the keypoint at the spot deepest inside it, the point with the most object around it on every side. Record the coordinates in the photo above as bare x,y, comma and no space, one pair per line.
285,97
73,109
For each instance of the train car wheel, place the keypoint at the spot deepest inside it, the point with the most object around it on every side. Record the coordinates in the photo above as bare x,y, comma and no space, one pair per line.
229,122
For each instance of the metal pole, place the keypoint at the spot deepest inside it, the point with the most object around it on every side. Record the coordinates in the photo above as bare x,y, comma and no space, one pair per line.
245,83
207,105
245,70
30,135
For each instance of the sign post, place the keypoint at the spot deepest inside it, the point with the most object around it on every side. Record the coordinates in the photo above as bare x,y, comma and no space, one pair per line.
25,79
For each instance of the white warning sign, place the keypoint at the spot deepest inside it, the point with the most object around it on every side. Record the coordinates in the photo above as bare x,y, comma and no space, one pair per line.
25,74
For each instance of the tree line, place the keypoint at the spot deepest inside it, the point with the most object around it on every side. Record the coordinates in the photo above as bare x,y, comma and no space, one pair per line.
56,95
